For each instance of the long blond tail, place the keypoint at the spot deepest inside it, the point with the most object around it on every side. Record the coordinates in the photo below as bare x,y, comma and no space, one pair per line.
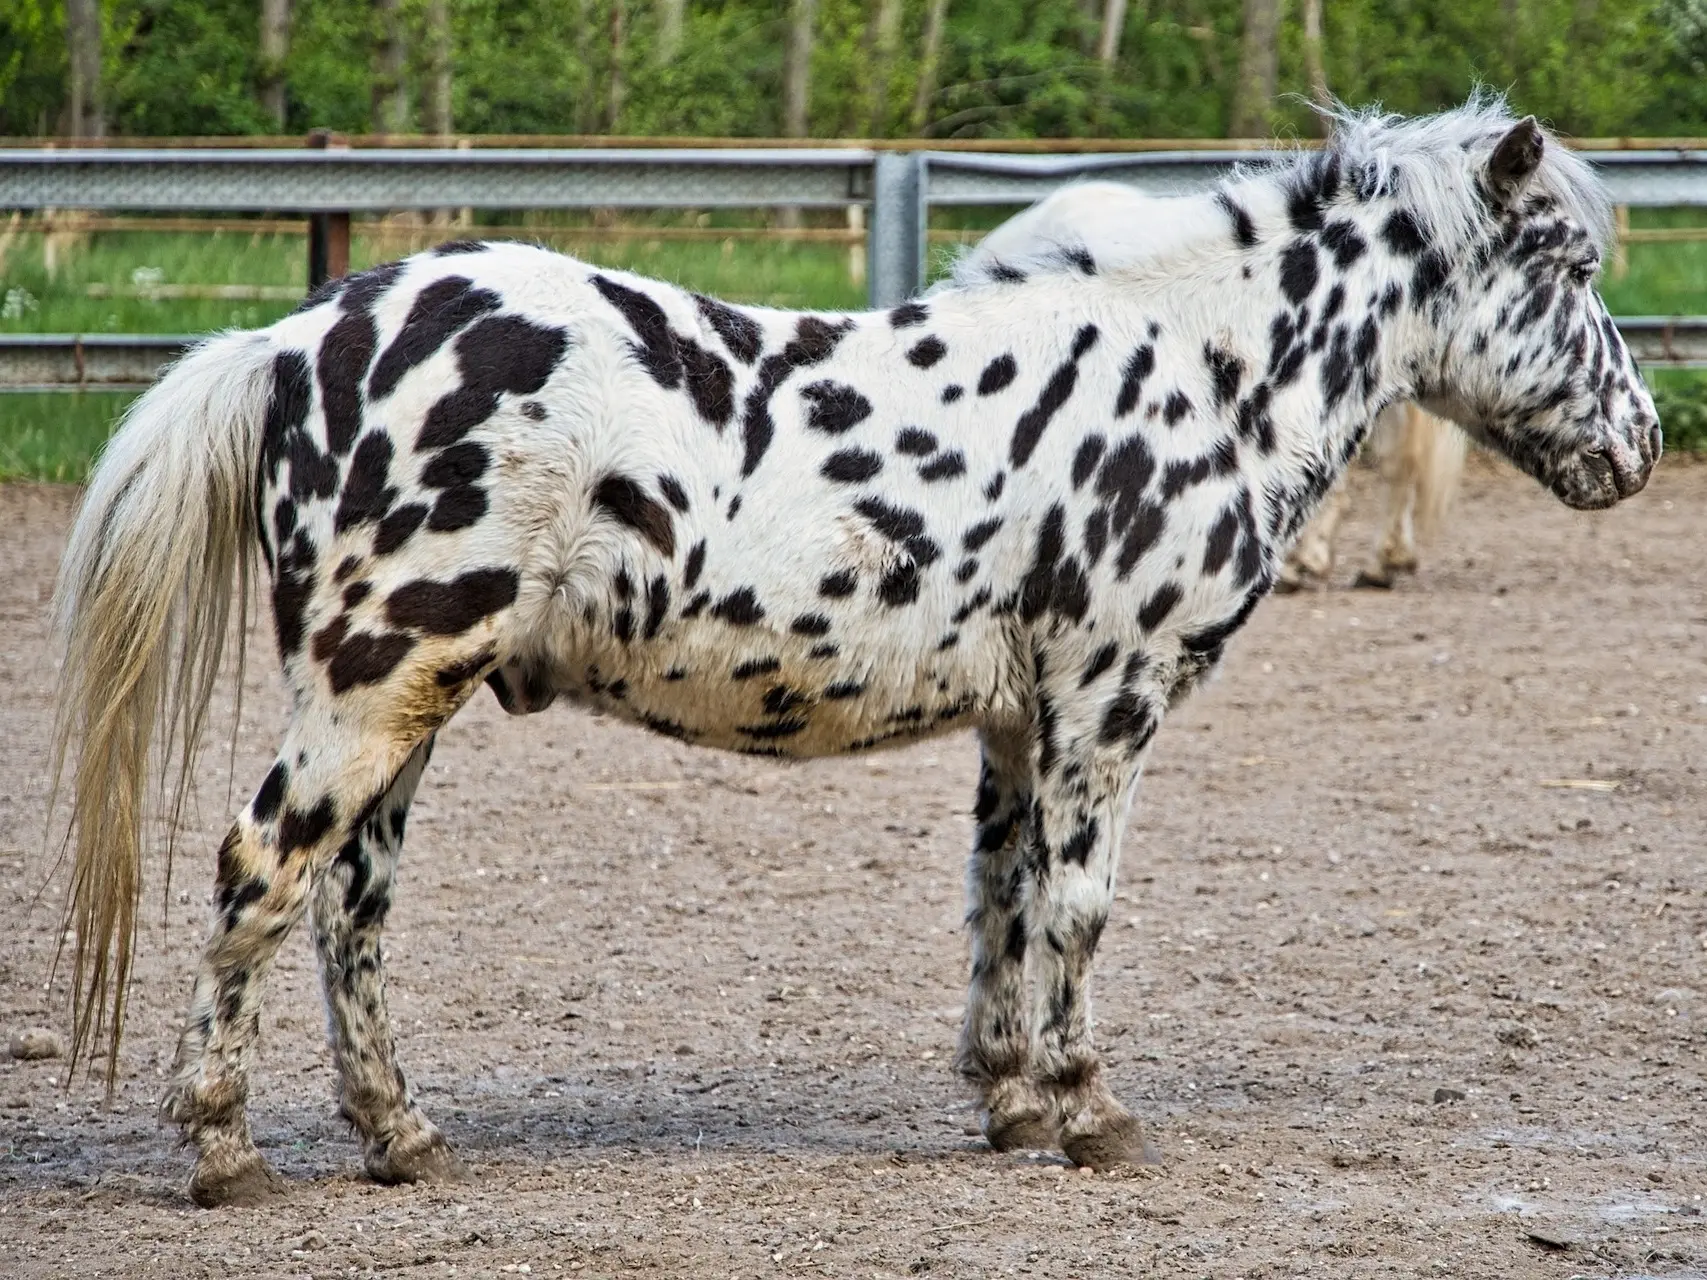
1434,452
144,599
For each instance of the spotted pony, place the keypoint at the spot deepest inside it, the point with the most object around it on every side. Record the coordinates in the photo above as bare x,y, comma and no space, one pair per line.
1037,503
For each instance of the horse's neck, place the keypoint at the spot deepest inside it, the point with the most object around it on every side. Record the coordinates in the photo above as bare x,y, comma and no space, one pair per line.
1234,296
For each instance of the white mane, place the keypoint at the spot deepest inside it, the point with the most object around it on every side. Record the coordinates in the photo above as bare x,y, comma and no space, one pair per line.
1418,162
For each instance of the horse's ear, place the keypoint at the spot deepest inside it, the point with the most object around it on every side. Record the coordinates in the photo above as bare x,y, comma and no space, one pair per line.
1515,158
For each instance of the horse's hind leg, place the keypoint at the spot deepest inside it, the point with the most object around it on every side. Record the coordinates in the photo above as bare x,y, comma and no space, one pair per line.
323,786
995,1039
352,896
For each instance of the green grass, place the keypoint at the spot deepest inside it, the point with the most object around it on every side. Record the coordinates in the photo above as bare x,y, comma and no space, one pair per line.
54,436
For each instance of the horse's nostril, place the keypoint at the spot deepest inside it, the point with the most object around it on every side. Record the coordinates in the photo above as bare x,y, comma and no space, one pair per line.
1656,442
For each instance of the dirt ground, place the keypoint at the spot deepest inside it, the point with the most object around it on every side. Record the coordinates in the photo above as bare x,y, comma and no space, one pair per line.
691,1015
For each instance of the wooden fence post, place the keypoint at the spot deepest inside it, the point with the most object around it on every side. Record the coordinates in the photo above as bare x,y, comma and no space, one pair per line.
328,233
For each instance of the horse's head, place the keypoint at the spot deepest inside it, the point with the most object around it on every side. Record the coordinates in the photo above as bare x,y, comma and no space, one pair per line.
1529,361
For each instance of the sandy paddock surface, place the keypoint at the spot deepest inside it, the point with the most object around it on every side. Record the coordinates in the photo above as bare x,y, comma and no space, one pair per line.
690,1015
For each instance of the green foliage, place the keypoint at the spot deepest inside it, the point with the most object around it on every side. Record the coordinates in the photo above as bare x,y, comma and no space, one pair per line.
1681,399
174,68
33,66
1008,68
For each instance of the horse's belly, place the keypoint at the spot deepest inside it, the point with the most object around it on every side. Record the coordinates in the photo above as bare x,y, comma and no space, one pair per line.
786,699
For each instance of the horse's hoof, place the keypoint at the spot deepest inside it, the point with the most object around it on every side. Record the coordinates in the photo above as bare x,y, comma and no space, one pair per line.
426,1158
1122,1143
1377,579
1028,1132
240,1182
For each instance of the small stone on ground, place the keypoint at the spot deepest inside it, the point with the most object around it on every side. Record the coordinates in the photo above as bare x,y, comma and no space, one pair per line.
37,1043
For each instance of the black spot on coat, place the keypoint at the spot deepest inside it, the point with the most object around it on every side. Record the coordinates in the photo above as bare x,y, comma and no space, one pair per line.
1138,368
1226,371
367,496
1341,239
695,563
625,501
501,353
741,333
1403,234
740,608
265,806
1056,393
814,340
981,533
439,310
997,374
1086,457
398,527
926,352
458,508
673,492
303,830
462,463
367,659
835,586
1299,271
1244,230
915,441
943,467
451,608
851,466
834,407
1161,603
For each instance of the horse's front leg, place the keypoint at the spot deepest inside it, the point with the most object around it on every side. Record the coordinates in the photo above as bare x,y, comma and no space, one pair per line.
1085,783
995,1038
1312,558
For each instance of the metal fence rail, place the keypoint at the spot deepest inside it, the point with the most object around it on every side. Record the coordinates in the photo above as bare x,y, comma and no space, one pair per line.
901,187
130,362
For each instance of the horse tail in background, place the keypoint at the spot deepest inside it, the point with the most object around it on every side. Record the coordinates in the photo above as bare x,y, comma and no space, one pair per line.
141,611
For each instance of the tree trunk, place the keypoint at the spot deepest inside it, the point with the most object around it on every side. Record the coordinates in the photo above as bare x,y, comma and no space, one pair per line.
275,47
390,101
796,86
1090,16
670,17
1313,66
85,115
1259,69
797,68
885,37
438,68
618,48
935,20
1113,25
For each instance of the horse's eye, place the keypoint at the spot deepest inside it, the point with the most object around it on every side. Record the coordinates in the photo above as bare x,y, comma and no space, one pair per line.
1584,270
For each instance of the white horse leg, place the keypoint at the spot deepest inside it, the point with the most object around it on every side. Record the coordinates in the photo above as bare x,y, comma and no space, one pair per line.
1311,559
